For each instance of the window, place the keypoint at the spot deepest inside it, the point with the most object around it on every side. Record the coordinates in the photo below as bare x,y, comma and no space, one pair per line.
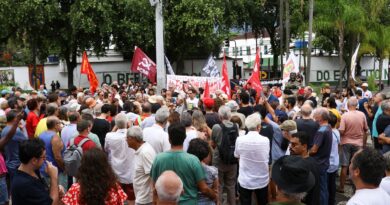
248,50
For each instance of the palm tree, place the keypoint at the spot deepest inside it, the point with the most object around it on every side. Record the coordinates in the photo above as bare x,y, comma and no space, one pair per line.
377,41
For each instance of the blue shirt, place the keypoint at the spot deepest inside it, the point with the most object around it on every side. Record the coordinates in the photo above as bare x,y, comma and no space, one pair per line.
334,154
276,143
377,114
46,137
323,139
11,150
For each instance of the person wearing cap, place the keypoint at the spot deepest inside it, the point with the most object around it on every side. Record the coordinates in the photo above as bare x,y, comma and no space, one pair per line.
367,170
252,150
288,128
212,118
366,93
299,147
234,107
321,149
293,178
4,95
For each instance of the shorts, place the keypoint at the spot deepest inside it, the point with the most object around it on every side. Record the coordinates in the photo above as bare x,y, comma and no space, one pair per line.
347,152
129,190
3,190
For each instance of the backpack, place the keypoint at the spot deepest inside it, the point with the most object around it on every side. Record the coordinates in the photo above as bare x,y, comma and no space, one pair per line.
228,144
72,157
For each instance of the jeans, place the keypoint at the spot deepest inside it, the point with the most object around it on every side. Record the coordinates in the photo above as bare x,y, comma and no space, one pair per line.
246,195
227,174
3,190
324,194
332,188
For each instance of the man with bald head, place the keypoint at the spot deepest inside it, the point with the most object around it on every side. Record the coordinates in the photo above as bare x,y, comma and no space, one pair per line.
306,123
353,129
169,187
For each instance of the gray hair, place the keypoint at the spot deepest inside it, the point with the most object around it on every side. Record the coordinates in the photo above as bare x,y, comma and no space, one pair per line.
253,121
224,112
186,119
306,110
169,186
232,105
294,196
387,160
352,102
385,105
322,112
135,132
162,115
121,121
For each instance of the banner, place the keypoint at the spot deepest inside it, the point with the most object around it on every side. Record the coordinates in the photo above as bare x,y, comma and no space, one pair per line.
7,77
210,69
353,62
291,74
37,78
86,69
177,81
254,80
143,64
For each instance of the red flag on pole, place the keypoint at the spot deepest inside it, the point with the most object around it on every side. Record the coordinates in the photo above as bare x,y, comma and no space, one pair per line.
225,79
206,93
254,80
143,64
86,69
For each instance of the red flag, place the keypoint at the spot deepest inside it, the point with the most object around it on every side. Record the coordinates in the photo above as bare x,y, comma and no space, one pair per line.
254,80
206,93
225,79
143,64
86,69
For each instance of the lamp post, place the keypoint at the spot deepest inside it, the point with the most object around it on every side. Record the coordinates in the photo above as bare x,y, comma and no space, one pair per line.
161,72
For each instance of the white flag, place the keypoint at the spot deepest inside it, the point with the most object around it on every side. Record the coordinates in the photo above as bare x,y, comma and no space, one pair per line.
353,62
169,66
211,68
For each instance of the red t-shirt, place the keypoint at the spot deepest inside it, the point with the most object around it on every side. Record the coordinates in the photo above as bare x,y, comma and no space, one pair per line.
87,145
31,123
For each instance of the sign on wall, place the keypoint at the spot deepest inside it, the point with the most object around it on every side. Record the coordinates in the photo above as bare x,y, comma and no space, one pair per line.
36,78
7,77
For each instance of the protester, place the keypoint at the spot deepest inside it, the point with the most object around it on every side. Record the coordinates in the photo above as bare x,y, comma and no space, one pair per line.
182,163
143,159
169,188
100,124
252,150
120,156
156,135
93,188
366,171
307,123
27,186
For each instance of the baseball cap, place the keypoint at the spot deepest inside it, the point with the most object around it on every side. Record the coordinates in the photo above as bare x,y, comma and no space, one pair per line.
289,125
365,85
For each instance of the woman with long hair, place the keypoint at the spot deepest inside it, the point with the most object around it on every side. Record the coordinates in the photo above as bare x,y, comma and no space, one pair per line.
96,182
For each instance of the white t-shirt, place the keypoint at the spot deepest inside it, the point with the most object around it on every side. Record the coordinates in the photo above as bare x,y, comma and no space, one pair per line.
192,103
142,181
253,153
120,155
191,134
367,94
376,196
385,184
157,138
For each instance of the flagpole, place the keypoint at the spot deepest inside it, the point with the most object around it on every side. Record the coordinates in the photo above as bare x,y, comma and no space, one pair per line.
161,72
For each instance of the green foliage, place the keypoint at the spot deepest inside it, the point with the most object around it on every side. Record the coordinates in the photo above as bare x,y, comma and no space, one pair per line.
372,83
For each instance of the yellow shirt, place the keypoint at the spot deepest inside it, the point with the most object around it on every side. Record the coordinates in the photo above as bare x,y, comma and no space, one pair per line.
41,127
338,116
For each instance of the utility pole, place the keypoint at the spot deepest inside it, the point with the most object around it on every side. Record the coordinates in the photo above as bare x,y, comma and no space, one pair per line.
287,28
307,73
281,33
161,72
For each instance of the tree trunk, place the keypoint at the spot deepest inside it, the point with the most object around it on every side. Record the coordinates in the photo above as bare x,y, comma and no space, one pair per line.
71,64
341,52
287,28
281,32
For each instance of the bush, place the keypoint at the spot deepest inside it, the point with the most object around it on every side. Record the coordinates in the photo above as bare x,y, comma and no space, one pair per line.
372,86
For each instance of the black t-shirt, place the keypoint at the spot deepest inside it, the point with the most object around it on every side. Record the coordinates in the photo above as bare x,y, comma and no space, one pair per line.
246,110
101,127
313,196
309,126
323,139
382,122
27,189
212,119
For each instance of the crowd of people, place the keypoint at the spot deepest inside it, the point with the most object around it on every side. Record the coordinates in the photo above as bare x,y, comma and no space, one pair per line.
128,144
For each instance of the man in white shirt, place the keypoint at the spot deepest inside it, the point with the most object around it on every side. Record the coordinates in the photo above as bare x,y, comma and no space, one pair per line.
155,135
366,170
253,153
192,101
366,93
120,155
191,132
144,156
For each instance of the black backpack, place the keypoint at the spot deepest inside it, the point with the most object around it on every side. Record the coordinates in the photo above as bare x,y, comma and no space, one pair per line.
228,144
